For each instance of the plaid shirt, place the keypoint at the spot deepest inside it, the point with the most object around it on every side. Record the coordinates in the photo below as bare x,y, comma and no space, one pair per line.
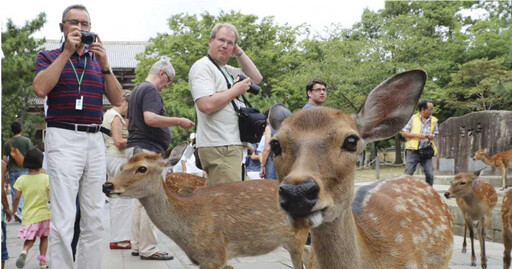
425,129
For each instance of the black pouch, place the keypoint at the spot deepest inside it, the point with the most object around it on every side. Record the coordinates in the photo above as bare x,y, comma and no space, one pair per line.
427,152
251,124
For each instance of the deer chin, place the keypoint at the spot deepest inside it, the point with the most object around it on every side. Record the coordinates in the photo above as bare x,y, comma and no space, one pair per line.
310,220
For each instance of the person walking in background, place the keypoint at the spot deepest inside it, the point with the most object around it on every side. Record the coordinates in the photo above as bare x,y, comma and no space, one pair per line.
74,79
253,161
267,169
316,91
121,210
6,215
148,128
213,87
34,188
23,144
188,160
420,132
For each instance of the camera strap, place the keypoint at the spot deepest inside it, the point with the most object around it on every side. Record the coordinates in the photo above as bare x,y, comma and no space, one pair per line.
246,102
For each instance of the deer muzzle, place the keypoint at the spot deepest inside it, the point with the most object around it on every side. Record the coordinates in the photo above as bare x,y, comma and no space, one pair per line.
108,187
299,200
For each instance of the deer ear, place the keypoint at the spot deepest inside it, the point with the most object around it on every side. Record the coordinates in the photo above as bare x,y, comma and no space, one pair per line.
477,173
173,156
277,114
390,105
137,150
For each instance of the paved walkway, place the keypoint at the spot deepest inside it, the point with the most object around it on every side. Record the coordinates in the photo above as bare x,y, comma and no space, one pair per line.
121,259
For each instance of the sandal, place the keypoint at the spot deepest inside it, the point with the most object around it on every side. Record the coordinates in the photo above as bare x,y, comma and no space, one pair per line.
120,245
159,256
135,253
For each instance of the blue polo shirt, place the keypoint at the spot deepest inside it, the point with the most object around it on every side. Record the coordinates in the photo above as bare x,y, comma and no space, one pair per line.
62,98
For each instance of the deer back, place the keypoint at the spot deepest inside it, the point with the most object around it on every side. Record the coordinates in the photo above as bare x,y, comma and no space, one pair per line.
184,183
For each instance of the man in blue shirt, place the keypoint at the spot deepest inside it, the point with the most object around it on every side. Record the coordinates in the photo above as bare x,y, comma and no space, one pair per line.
316,90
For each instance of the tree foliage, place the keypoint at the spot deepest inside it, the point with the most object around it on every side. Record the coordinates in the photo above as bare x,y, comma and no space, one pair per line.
18,69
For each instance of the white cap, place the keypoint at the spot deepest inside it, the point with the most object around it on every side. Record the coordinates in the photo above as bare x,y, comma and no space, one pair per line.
192,136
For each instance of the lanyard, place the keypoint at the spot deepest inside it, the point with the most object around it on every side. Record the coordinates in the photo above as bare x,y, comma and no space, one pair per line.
76,74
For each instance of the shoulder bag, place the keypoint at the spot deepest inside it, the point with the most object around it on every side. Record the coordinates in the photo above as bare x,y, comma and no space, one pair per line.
16,155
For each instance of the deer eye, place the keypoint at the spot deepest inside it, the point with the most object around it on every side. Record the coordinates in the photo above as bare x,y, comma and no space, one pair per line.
275,147
142,169
463,183
350,143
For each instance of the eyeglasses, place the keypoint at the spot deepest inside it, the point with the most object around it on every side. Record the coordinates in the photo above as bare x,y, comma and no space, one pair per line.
320,90
222,41
169,80
77,22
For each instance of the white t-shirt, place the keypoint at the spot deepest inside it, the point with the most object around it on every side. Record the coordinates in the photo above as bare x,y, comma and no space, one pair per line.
219,128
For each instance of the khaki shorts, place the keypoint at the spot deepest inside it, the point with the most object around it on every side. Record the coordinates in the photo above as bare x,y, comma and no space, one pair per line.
222,164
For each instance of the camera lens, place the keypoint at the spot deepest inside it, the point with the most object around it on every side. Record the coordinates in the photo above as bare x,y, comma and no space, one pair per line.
88,37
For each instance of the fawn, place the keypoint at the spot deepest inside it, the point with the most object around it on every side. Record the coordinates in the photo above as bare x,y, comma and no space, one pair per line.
393,223
214,223
476,199
506,217
501,160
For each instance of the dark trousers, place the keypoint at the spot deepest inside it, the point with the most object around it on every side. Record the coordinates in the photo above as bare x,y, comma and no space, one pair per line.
412,159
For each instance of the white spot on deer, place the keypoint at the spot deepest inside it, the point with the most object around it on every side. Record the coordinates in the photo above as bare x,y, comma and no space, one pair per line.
399,238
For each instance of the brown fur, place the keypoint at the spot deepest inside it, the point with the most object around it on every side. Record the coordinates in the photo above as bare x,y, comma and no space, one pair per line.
476,199
214,223
182,183
501,160
394,223
506,217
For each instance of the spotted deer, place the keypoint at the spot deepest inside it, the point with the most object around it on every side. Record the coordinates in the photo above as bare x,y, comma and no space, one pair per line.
501,160
506,217
394,223
214,223
182,183
476,199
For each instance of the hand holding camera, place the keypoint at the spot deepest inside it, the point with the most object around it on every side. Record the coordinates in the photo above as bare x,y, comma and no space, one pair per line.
254,89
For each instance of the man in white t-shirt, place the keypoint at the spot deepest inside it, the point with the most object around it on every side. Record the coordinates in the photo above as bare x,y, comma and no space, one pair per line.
218,137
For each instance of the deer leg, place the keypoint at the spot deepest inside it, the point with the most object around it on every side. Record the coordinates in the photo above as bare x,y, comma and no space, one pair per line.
464,244
507,243
483,257
296,247
504,177
472,237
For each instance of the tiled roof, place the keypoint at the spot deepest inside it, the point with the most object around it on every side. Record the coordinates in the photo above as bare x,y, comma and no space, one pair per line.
121,54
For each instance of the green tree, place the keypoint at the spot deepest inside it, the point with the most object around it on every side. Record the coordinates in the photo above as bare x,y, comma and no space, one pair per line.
18,69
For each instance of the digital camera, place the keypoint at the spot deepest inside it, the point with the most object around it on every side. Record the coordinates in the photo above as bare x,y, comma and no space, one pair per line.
88,37
254,89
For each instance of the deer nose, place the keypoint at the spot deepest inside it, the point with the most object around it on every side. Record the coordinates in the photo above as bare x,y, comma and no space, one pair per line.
299,199
108,187
447,194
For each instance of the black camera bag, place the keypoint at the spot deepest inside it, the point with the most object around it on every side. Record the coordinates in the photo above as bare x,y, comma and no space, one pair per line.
251,122
426,152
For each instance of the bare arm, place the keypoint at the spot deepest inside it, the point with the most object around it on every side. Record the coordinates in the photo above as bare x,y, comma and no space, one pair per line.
117,131
266,151
414,136
158,121
215,102
5,203
247,65
183,166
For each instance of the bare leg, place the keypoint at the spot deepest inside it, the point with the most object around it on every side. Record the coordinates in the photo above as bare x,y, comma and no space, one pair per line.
43,247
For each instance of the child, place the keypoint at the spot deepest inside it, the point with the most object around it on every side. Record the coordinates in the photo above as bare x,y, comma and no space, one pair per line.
36,214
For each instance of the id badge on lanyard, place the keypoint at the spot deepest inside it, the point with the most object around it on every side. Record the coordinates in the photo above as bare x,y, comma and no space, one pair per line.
79,102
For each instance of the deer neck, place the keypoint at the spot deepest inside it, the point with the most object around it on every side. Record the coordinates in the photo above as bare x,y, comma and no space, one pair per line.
164,211
487,160
342,235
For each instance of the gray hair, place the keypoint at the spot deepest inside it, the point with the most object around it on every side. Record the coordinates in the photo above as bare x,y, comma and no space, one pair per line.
82,7
126,94
228,25
163,64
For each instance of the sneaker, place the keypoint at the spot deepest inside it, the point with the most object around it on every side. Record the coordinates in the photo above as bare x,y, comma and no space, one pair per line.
20,262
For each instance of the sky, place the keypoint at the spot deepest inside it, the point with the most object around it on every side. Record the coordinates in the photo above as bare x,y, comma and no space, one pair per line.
116,20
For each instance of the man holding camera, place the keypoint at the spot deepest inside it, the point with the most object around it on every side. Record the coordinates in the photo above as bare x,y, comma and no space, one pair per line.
73,78
213,88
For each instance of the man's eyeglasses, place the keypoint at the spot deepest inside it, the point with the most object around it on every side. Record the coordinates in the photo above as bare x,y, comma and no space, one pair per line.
222,41
169,80
77,22
320,90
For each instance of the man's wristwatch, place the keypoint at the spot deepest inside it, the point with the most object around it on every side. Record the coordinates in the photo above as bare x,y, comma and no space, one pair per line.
240,53
108,71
